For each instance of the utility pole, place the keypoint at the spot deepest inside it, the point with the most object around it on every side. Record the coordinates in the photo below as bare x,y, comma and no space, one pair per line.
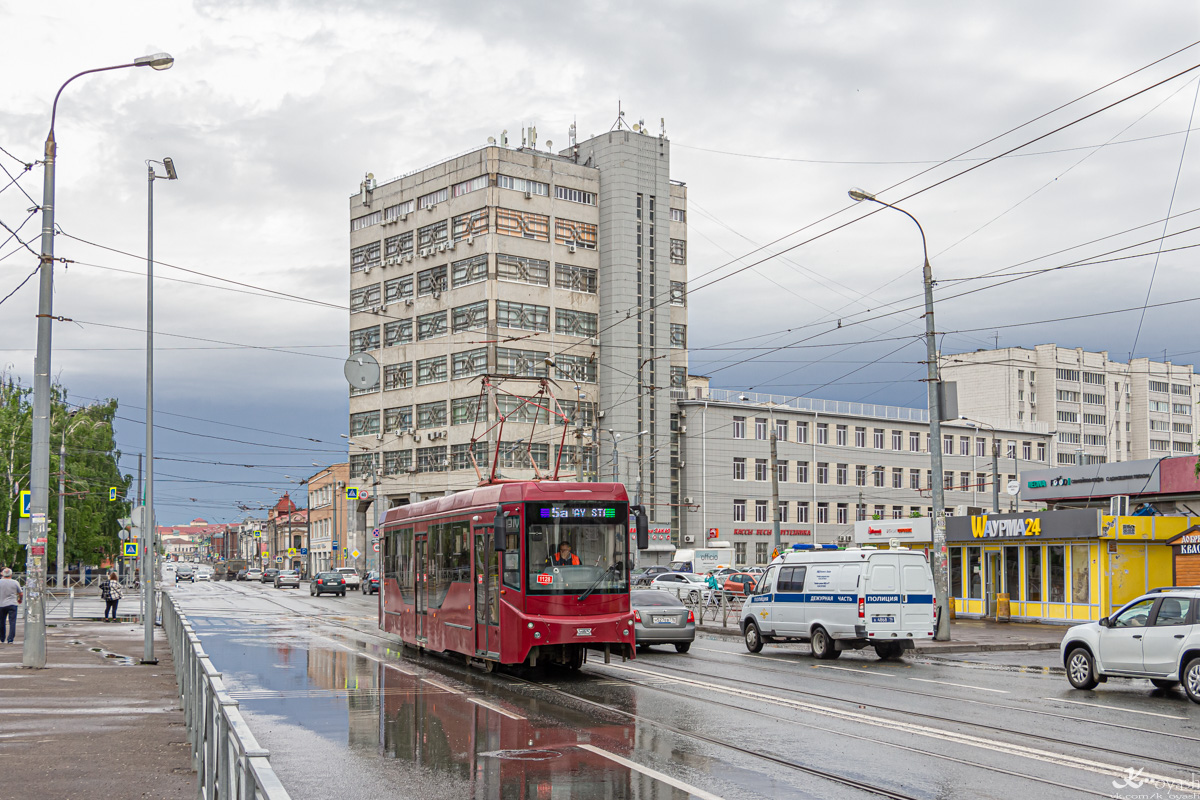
995,475
776,543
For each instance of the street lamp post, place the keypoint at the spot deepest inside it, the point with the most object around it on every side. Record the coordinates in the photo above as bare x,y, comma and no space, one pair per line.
33,652
616,442
150,550
62,495
940,578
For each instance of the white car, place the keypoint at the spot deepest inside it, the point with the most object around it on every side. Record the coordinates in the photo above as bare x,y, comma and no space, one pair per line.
350,576
204,573
1157,637
254,574
683,585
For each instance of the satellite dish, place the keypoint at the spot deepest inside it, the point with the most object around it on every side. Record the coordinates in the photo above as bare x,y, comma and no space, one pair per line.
491,140
362,370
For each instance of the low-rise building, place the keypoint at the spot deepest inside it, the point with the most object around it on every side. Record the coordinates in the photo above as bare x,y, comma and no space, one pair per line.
328,515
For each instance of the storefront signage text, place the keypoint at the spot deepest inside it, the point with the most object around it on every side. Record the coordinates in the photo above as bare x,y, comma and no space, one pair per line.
768,532
983,528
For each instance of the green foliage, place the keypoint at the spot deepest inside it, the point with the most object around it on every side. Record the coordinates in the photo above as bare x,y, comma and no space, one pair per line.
92,469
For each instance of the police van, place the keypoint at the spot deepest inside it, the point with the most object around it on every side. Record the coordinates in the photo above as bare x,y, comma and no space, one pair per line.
843,600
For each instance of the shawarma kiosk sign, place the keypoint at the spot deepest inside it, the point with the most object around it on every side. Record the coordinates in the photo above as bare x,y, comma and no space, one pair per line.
1065,524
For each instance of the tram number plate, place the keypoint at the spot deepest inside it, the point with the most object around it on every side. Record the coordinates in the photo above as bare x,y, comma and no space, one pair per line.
664,620
583,631
883,619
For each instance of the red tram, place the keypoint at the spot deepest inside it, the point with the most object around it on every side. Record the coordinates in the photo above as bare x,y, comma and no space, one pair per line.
528,572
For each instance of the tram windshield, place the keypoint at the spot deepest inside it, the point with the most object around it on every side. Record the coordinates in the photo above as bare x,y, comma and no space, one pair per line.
577,548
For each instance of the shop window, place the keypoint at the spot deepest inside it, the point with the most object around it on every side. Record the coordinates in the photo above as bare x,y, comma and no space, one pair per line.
1056,560
1081,583
956,572
974,574
1012,572
1033,574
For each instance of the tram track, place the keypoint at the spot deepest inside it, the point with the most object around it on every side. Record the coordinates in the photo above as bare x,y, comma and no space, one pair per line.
1060,759
936,696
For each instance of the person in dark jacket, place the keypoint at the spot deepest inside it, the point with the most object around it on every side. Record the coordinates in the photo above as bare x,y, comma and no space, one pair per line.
110,591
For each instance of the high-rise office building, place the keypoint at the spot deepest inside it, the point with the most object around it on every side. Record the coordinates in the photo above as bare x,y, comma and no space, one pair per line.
492,275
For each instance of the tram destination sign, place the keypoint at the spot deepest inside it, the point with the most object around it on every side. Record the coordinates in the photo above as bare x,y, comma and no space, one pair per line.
577,512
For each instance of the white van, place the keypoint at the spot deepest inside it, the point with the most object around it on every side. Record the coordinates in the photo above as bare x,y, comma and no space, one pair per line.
843,600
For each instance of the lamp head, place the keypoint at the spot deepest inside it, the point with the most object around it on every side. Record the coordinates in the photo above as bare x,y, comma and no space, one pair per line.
858,195
172,175
159,61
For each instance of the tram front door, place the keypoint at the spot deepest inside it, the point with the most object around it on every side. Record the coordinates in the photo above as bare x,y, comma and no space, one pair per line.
421,586
485,576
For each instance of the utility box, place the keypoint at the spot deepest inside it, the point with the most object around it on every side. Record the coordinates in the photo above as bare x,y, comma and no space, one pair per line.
947,393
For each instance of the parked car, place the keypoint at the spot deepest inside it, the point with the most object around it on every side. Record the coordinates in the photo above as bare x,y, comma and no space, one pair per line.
683,585
370,584
351,576
185,574
755,570
1157,637
660,618
739,584
254,574
327,583
268,574
641,576
287,577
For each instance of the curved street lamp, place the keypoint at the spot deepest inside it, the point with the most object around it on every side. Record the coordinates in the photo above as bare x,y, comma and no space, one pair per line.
940,581
33,653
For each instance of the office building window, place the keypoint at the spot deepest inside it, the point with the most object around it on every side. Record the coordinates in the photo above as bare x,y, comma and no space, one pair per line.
364,422
523,185
841,435
678,336
760,469
527,363
575,234
522,316
574,195
760,510
519,269
431,281
574,323
782,469
783,510
897,440
575,279
469,270
897,478
678,293
469,363
398,376
431,326
431,370
678,251
801,511
877,438
860,437
739,510
398,289
467,410
739,427
801,472
522,224
739,469
843,471
914,479
579,369
914,442
781,430
877,477
822,513
843,513
431,415
364,339
398,331
801,432
761,554
822,472
860,475
822,433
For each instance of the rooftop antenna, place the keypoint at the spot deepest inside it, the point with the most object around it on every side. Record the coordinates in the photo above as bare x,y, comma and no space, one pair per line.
571,135
620,118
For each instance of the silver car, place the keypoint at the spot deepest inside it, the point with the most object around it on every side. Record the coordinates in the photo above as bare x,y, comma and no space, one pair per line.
1157,637
287,577
660,618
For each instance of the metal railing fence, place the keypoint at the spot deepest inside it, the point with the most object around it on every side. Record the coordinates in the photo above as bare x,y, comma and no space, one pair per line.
229,762
705,602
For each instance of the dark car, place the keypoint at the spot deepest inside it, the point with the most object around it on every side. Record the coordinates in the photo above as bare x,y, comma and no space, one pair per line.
641,576
185,574
660,618
370,584
327,583
269,574
740,584
241,575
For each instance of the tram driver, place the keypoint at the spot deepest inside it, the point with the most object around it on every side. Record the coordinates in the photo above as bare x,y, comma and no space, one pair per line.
564,556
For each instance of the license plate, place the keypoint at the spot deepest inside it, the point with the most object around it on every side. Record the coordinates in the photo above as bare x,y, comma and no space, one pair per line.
583,631
664,620
883,619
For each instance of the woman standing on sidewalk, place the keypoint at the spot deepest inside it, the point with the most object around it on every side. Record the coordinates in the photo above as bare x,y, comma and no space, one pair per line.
110,590
10,597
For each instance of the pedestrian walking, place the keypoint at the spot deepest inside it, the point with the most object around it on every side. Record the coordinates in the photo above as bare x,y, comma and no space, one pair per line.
10,597
714,585
110,590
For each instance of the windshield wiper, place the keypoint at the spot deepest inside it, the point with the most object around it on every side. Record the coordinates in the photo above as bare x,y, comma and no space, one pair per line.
592,588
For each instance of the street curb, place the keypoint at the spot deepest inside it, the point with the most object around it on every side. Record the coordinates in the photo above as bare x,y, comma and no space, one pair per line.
926,649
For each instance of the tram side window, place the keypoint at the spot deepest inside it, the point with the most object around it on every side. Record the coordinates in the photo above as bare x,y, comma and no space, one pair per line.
512,561
450,559
400,561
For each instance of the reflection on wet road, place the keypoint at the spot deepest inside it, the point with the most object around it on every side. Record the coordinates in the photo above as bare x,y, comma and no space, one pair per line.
345,712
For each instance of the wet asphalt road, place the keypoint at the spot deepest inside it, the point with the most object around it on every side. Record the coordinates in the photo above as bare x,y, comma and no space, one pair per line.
348,713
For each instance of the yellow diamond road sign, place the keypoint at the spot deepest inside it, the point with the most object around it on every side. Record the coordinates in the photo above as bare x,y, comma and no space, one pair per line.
291,551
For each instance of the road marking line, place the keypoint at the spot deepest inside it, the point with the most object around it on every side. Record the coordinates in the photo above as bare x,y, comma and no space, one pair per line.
667,779
960,685
1111,708
441,686
911,728
495,708
864,670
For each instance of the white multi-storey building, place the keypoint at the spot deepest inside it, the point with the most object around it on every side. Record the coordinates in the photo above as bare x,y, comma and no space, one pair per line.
480,280
1100,410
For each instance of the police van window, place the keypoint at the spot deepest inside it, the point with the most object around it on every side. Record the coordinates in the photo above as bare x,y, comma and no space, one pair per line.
883,578
768,578
791,579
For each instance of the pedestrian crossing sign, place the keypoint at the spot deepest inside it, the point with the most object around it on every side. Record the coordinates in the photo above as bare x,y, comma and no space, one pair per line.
129,549
112,493
775,554
26,496
351,492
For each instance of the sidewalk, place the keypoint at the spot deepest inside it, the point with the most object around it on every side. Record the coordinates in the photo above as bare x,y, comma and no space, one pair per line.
95,722
966,636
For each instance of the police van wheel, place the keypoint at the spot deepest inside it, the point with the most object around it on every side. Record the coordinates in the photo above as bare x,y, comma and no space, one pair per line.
822,645
888,650
754,640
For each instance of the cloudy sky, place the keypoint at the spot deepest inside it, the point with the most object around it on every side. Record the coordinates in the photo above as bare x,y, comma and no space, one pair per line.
274,111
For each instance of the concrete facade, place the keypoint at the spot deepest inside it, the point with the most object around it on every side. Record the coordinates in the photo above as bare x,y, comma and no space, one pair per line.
508,274
838,462
1101,410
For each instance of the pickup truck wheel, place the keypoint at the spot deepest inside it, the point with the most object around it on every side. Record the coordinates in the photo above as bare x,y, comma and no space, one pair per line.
754,640
822,645
1191,680
1081,669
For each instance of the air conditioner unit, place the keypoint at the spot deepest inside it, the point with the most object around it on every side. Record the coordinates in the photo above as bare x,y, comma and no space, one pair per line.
404,216
528,195
367,271
431,207
436,294
470,239
689,539
408,301
570,248
450,246
687,501
424,253
682,464
409,257
416,437
383,307
442,247
379,437
594,342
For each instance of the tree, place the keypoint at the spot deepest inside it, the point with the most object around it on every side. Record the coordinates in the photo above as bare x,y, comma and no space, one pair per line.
91,470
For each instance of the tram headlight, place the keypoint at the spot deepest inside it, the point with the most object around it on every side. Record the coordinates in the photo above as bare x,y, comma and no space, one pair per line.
537,635
529,625
624,633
